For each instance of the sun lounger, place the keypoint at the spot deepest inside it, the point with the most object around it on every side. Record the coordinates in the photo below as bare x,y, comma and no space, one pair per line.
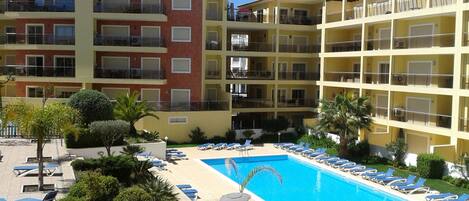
361,171
349,166
408,181
188,191
417,187
232,146
337,162
24,170
287,145
176,156
144,154
220,146
463,197
294,147
389,173
246,146
330,159
316,153
279,145
441,196
50,196
181,186
205,146
374,174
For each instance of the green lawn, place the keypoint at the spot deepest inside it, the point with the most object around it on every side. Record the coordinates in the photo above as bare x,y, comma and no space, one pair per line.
435,184
181,145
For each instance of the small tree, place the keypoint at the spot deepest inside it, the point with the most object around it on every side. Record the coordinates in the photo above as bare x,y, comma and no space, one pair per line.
398,149
197,136
92,105
248,134
133,194
131,150
129,109
159,188
109,132
93,186
41,124
230,135
273,126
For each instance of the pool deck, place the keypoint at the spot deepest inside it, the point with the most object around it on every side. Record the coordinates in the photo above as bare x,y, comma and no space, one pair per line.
212,185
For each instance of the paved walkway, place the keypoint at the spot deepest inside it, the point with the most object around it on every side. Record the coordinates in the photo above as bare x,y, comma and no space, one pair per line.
212,185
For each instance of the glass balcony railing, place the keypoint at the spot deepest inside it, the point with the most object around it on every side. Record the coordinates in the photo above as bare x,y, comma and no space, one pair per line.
421,118
378,44
376,78
343,46
241,102
188,106
37,6
39,71
252,46
131,41
440,3
298,76
424,41
379,8
147,8
300,20
135,73
353,77
379,112
213,45
41,39
410,5
250,75
300,48
297,103
428,80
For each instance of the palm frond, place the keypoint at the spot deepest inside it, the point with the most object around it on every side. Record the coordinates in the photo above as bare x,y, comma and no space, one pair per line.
256,171
231,164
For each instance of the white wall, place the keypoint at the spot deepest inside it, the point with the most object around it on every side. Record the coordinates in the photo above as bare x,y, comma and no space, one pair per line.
158,149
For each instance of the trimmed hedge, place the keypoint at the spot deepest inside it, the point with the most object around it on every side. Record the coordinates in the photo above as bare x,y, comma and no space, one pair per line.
93,105
87,140
430,166
120,166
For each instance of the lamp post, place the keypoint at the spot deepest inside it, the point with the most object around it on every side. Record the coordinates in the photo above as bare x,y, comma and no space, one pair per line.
278,134
166,139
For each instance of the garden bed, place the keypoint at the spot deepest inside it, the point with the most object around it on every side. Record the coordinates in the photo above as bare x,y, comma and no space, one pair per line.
35,188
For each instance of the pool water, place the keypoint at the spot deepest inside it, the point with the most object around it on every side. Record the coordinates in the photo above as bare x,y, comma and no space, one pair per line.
301,181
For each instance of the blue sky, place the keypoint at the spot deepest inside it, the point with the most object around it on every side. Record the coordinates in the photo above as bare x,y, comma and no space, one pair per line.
238,2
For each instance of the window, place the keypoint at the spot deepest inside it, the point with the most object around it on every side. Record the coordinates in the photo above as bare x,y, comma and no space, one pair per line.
113,93
65,66
65,92
65,61
180,99
121,63
64,32
34,92
182,4
178,120
181,34
181,65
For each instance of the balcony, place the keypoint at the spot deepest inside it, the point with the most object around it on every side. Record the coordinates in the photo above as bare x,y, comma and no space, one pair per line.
251,47
379,112
130,41
300,20
352,77
344,46
298,76
249,75
299,48
133,8
355,13
463,124
378,44
136,73
213,74
376,78
36,39
298,103
32,6
424,41
189,106
39,71
241,102
213,45
410,5
426,80
427,119
247,16
379,8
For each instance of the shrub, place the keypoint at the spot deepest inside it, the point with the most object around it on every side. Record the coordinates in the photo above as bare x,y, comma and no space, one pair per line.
160,189
131,150
359,151
93,105
109,132
151,136
459,182
120,167
133,194
273,126
93,186
317,141
248,134
230,136
398,150
85,139
273,138
218,139
430,166
70,198
197,136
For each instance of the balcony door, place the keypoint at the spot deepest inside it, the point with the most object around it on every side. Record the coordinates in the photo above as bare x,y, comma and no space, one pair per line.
381,105
150,6
212,94
298,96
282,70
212,40
10,32
421,35
35,33
150,36
150,68
212,68
283,15
299,71
299,43
282,96
419,73
212,11
115,5
383,71
418,110
180,99
115,67
64,34
152,97
34,65
115,35
64,66
283,43
384,38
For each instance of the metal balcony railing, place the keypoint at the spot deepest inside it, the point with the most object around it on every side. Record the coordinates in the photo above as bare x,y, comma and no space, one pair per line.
241,102
39,71
36,6
424,41
188,106
300,20
298,76
409,5
297,103
378,44
135,73
131,41
379,8
300,48
252,46
333,17
376,78
36,39
379,112
344,46
135,8
250,75
247,16
342,77
355,13
213,45
428,119
213,74
412,79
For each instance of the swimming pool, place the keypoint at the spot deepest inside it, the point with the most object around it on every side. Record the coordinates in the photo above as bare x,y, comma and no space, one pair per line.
301,181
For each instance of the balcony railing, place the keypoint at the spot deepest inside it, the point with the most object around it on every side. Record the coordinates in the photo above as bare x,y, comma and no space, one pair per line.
409,5
213,45
100,7
464,124
249,75
343,46
378,44
300,48
300,20
412,79
355,13
247,16
251,103
424,41
40,39
297,103
213,15
39,71
376,78
132,41
342,77
428,119
298,76
379,112
379,8
439,3
128,73
213,74
252,46
333,17
188,106
32,6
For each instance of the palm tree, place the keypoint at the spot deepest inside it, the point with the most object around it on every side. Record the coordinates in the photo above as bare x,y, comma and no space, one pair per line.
41,124
129,109
345,116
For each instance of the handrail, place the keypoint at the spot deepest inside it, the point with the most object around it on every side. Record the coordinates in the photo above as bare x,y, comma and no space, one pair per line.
134,41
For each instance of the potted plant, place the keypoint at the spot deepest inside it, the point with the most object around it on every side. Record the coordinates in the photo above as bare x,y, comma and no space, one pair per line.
248,134
241,196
